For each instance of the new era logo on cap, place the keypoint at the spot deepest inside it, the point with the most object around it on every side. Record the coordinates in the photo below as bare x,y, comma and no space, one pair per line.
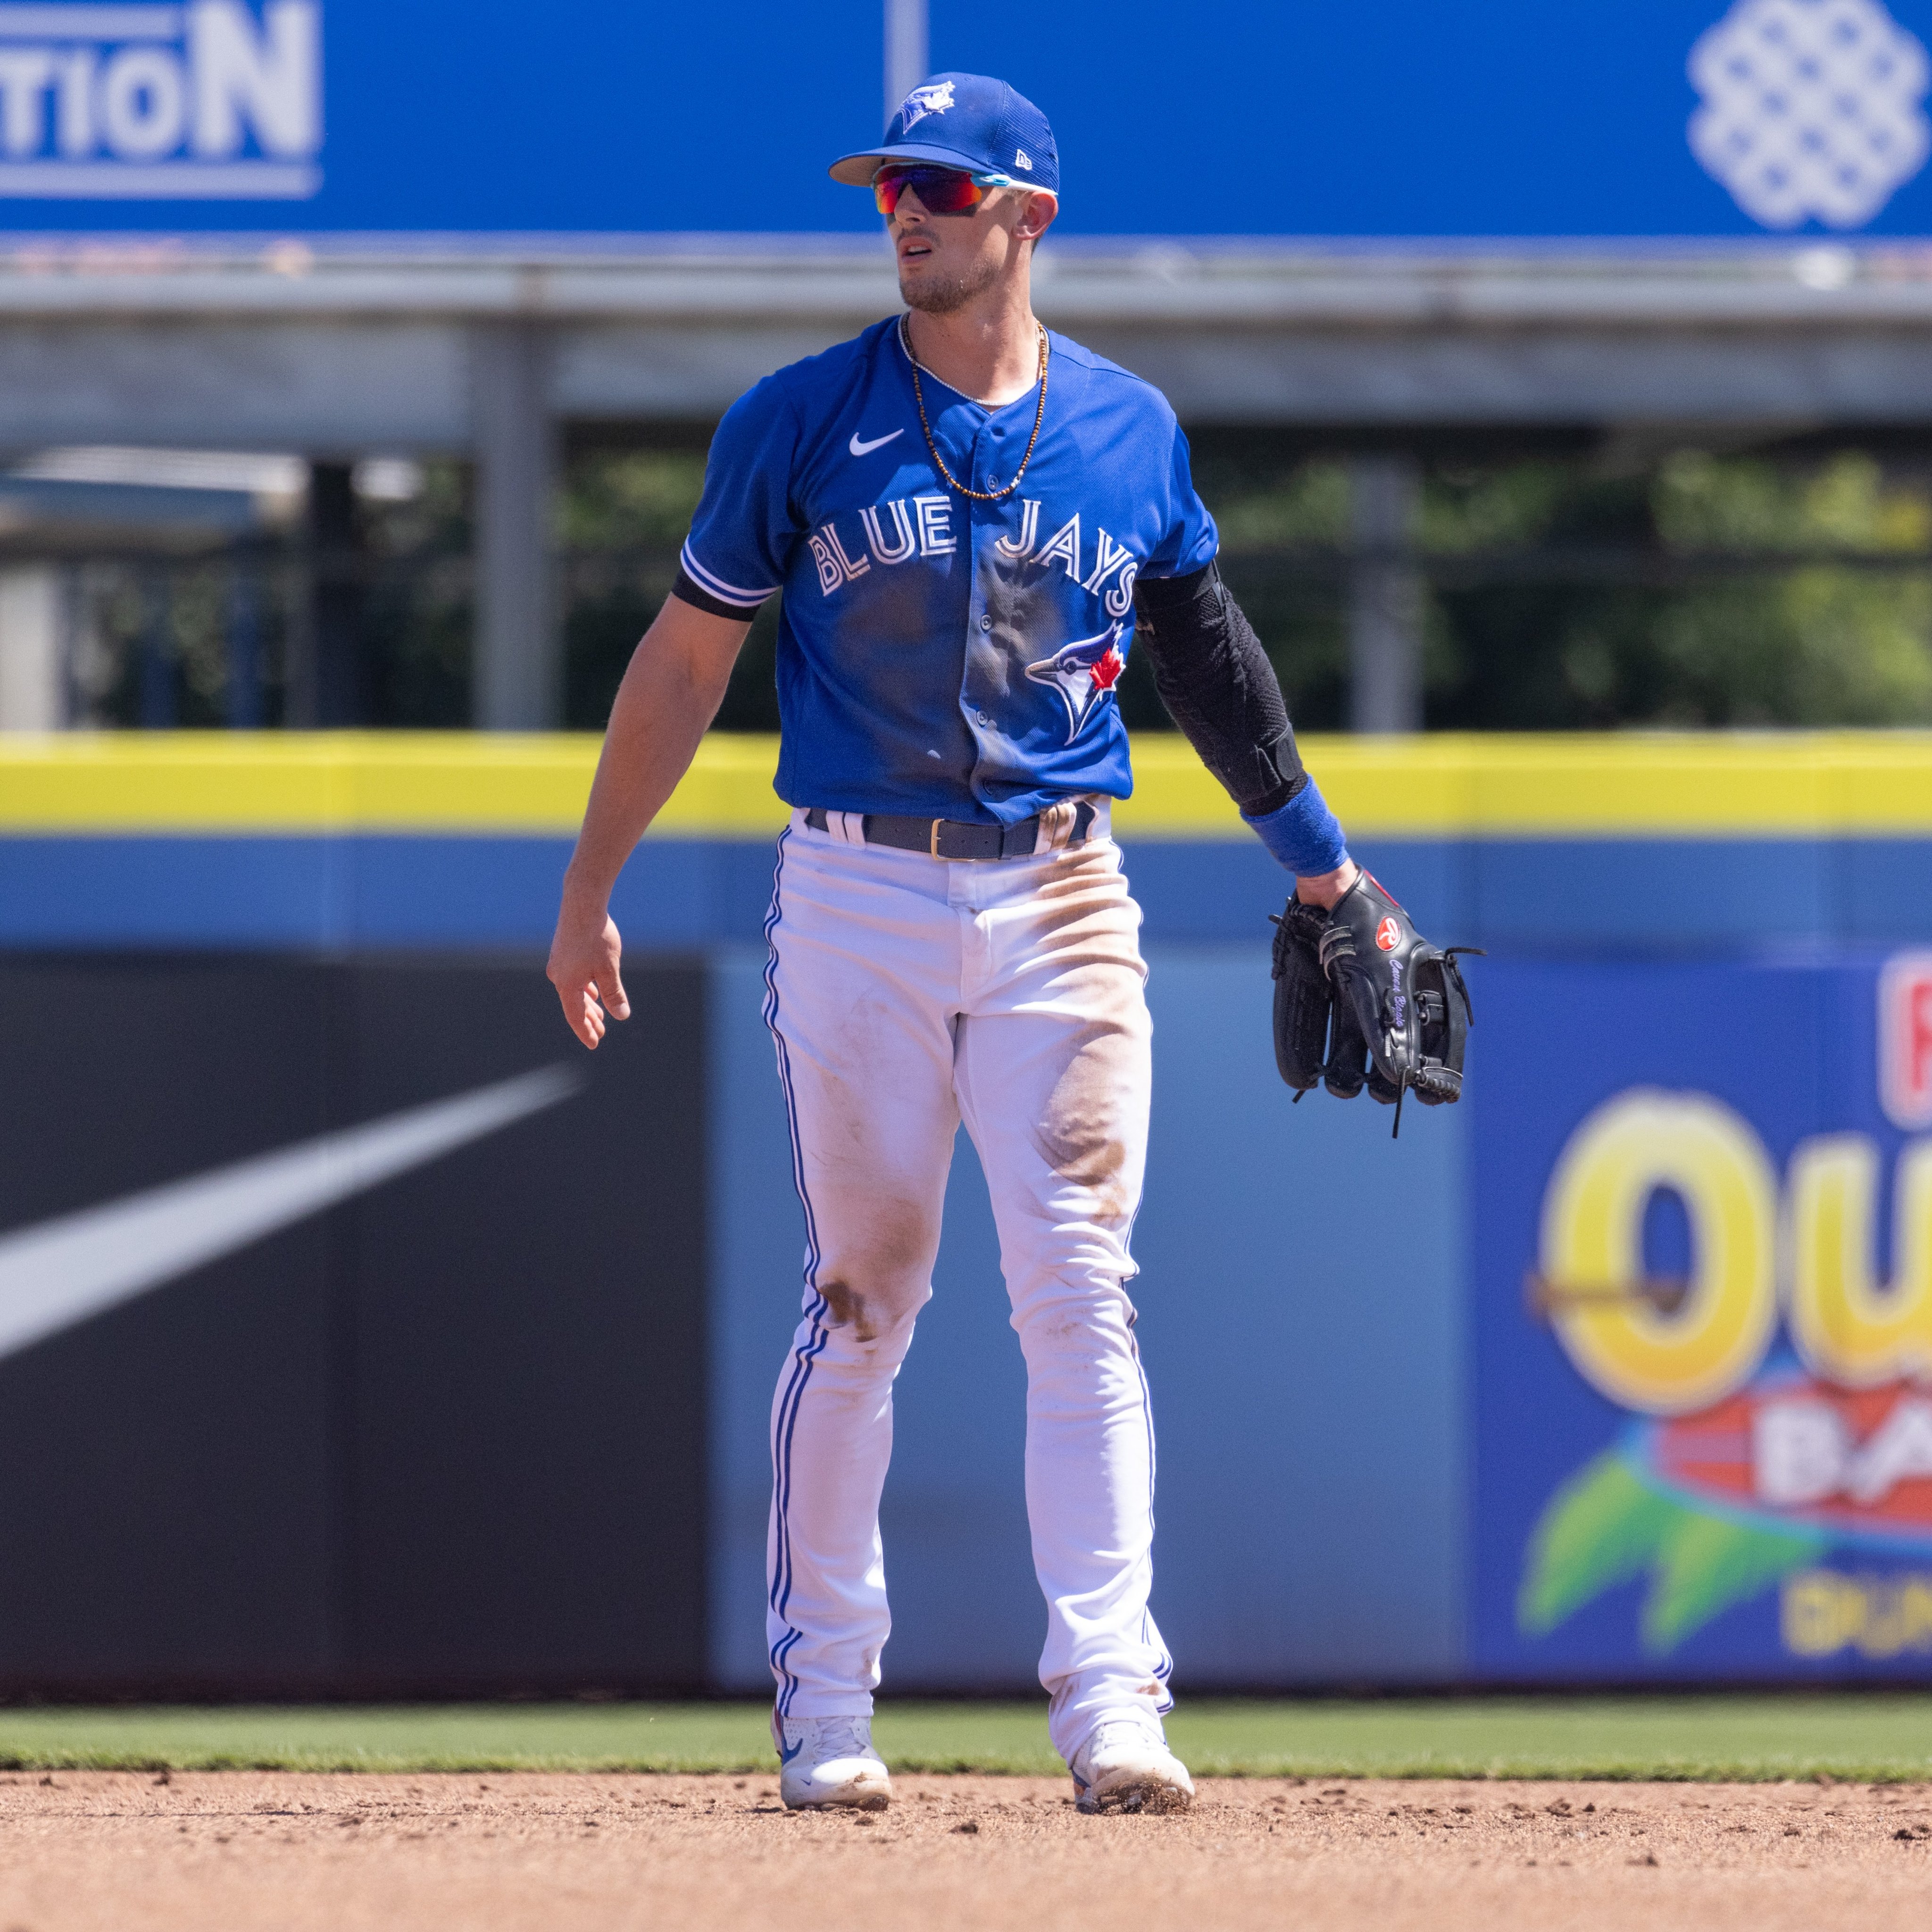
965,120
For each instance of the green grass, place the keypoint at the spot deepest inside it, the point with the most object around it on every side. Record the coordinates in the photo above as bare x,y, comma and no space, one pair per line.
1867,1736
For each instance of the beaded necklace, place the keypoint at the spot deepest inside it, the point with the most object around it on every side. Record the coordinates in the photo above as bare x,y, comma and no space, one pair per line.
1040,416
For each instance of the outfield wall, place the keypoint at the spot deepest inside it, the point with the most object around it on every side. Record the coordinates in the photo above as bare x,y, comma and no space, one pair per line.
492,1418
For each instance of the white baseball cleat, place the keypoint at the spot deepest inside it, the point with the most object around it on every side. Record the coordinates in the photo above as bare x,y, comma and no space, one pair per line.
828,1761
1125,1766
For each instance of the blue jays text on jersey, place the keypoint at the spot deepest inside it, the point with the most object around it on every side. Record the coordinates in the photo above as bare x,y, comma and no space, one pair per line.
939,655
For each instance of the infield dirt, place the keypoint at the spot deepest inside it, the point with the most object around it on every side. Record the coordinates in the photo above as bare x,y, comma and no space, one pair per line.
123,1852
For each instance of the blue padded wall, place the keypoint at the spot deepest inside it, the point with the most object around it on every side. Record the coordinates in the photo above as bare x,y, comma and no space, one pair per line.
1307,1391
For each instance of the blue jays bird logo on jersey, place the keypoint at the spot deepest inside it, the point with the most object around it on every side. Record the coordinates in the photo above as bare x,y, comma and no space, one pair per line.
1083,673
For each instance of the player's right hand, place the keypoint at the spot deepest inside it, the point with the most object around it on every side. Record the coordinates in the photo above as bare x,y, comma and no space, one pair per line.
583,963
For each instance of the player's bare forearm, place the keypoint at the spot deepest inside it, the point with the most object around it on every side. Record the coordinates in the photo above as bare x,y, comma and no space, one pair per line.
671,692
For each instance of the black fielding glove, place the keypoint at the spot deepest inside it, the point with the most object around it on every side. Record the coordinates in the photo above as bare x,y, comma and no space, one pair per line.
1302,999
1351,1066
1362,999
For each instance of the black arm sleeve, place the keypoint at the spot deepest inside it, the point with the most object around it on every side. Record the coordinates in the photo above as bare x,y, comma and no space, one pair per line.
1217,682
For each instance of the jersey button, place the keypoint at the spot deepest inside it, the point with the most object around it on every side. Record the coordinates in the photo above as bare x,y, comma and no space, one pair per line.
984,719
986,623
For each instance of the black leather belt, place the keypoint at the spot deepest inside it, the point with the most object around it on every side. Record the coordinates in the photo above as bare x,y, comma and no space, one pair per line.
948,838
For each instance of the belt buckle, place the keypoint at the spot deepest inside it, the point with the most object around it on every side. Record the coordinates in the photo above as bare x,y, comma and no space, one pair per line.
934,847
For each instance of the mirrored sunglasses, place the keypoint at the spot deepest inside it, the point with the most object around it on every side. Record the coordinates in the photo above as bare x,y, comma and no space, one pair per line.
940,190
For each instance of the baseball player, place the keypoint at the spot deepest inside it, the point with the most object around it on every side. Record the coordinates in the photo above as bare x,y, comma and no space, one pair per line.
972,520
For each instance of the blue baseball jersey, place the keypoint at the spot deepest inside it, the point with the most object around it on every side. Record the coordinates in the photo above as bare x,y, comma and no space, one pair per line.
938,655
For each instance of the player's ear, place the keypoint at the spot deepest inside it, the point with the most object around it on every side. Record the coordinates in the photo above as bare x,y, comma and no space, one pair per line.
1036,217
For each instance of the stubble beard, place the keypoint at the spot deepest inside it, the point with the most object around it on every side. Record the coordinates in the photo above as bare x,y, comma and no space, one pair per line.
945,294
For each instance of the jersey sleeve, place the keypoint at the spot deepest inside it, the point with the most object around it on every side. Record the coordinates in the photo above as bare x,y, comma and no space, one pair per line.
1189,540
742,536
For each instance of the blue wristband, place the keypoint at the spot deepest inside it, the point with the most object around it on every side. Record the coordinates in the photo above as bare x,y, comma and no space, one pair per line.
1304,835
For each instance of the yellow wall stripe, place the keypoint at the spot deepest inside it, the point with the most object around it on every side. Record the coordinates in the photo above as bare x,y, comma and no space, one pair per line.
1789,785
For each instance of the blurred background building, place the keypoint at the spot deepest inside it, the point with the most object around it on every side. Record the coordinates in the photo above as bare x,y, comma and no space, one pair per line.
1543,372
1550,371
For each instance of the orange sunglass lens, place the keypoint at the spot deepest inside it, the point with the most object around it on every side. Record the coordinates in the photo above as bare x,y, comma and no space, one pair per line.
940,190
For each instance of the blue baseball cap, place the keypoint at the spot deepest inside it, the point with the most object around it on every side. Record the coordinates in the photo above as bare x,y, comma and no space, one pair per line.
963,121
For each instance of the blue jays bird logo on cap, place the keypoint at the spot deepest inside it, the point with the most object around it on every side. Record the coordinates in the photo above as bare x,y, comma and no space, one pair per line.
935,97
1083,673
976,122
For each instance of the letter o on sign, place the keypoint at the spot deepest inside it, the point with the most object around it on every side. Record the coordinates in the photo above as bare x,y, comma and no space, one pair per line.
143,103
1659,1361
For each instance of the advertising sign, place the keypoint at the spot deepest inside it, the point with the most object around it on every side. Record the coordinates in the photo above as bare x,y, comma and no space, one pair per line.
321,1376
1704,1321
1407,120
207,101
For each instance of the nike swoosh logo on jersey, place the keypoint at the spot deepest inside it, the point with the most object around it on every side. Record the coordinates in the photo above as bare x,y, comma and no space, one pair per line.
858,449
57,1274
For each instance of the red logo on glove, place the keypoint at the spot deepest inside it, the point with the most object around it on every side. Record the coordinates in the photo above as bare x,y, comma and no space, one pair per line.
1388,935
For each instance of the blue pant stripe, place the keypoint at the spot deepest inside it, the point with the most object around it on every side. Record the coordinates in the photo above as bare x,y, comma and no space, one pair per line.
801,1367
1164,1668
786,1421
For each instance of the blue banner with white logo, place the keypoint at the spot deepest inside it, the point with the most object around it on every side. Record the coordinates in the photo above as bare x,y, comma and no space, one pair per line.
1409,119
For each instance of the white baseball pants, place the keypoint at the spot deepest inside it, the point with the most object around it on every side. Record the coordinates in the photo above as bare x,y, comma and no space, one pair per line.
905,994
